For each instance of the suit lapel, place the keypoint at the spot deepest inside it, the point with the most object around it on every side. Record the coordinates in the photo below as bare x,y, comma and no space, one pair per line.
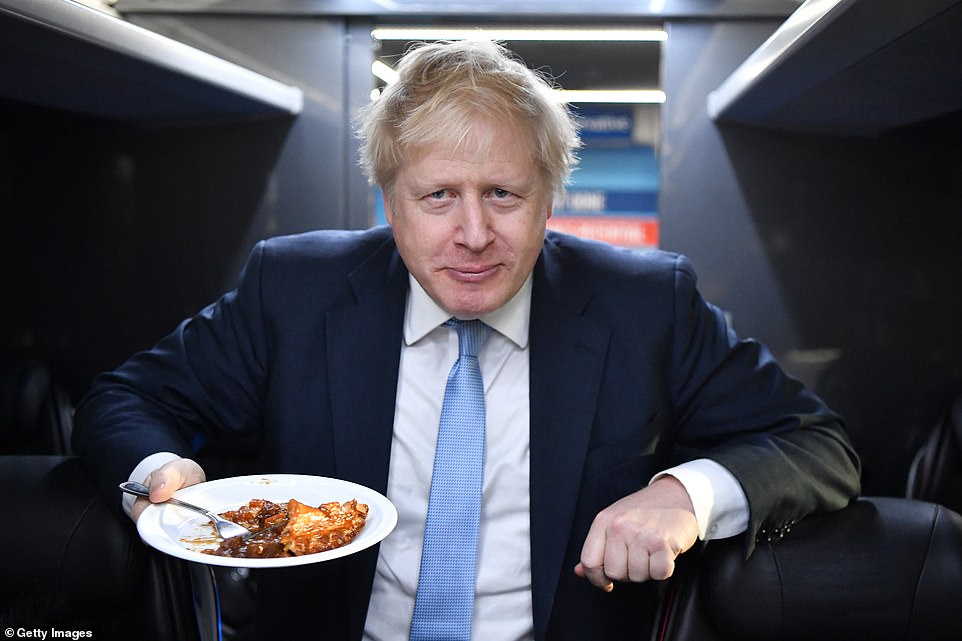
364,348
567,359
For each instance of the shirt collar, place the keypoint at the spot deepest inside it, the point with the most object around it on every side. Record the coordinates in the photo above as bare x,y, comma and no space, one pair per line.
422,315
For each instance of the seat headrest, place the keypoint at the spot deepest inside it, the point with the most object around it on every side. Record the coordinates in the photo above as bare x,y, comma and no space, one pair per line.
36,412
881,569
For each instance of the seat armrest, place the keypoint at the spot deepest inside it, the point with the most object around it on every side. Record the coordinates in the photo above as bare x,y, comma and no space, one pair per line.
881,569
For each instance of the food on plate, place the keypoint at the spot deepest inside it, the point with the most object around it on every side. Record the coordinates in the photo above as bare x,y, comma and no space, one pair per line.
293,529
328,526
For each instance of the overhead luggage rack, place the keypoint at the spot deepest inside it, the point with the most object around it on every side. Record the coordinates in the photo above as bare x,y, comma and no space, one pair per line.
859,67
65,55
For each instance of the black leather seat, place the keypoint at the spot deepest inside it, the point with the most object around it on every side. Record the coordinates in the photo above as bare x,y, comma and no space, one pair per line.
883,569
72,562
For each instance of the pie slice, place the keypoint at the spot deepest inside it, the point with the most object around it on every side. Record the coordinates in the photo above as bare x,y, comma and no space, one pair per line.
316,529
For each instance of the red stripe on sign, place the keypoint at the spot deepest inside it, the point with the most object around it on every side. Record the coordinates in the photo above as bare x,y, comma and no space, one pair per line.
627,231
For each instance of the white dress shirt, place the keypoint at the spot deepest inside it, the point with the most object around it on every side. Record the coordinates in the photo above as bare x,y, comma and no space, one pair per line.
503,608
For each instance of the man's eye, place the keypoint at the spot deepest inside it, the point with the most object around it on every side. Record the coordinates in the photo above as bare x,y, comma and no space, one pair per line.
500,193
437,195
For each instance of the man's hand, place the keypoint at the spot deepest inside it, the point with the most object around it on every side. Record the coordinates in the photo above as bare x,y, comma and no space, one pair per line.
639,537
166,480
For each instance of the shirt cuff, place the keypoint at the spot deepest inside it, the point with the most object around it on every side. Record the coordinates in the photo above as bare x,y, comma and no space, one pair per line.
721,507
142,471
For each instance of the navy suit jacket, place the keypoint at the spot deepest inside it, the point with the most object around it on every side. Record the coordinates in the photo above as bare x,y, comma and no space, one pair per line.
631,372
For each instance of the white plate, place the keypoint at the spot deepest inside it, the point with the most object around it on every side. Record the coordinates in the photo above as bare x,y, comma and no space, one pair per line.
183,533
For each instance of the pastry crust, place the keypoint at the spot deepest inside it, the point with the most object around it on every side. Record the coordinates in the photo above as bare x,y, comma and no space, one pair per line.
316,529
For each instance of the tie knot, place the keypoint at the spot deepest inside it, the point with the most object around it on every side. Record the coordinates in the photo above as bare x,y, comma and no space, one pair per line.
471,335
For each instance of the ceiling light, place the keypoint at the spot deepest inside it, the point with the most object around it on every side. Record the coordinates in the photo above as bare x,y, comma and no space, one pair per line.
519,34
383,71
611,96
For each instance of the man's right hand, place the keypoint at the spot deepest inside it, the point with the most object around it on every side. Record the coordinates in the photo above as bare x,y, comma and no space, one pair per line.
166,480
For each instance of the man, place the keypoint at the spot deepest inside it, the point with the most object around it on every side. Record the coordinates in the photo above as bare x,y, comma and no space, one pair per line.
623,418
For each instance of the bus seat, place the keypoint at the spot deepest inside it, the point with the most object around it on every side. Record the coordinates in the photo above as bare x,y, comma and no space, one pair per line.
71,561
883,568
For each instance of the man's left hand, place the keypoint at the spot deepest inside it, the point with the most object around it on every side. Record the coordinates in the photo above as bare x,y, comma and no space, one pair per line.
639,537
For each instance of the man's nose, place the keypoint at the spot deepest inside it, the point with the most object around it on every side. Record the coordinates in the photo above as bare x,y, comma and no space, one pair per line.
475,232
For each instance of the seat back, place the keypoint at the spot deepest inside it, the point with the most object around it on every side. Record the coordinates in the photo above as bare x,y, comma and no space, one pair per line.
36,413
884,569
72,562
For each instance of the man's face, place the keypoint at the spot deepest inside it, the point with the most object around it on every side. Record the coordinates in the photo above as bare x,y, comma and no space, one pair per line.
469,222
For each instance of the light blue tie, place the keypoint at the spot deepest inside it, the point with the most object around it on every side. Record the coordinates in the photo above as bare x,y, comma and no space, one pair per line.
445,597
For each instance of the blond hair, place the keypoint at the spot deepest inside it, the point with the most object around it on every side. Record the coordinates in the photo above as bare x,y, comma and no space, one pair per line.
444,90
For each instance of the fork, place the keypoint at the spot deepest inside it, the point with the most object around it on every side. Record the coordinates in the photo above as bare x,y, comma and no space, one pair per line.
225,529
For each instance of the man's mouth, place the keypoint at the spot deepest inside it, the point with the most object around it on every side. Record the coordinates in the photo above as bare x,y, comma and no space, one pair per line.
472,274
